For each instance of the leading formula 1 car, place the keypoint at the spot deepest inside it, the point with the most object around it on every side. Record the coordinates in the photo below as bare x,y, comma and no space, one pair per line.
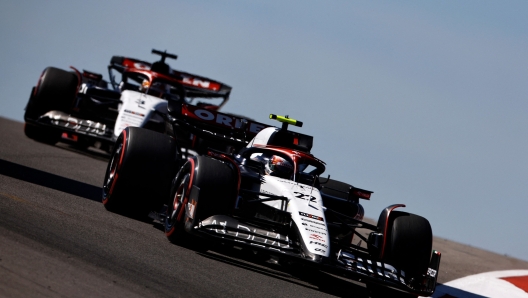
80,107
261,188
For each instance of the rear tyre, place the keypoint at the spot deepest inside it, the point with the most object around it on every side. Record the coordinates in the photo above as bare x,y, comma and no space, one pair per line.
409,244
137,178
203,187
56,91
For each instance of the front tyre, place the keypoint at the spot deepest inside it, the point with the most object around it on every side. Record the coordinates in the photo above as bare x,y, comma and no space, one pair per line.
137,178
203,187
409,247
174,219
410,243
55,90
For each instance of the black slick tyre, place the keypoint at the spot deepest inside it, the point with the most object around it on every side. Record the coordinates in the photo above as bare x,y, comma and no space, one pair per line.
409,244
55,90
138,175
408,247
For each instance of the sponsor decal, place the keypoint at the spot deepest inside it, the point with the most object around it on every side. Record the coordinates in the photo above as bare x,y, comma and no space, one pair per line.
314,231
317,237
314,222
319,243
141,66
190,210
243,233
306,197
372,268
320,250
311,216
200,83
431,272
220,119
134,113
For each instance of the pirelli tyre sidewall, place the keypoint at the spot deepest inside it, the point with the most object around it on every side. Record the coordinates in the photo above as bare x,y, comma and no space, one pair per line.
55,90
212,191
138,175
178,199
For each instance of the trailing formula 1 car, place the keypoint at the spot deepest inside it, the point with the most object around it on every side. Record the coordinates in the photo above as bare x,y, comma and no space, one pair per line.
84,109
260,188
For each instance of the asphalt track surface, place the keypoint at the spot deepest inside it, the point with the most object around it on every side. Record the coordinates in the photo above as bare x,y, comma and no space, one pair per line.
57,240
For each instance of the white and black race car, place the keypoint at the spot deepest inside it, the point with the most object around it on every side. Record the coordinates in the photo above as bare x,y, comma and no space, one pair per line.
262,189
81,108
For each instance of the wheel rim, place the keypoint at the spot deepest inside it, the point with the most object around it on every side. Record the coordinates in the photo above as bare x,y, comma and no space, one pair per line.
111,174
176,210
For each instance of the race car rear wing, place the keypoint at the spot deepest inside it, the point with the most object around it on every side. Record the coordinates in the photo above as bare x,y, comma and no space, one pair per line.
195,86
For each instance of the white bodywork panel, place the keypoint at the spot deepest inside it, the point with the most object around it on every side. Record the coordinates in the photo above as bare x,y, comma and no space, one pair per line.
262,137
306,208
137,109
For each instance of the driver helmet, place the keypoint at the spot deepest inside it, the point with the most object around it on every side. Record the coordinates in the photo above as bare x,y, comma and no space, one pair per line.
158,89
145,85
279,167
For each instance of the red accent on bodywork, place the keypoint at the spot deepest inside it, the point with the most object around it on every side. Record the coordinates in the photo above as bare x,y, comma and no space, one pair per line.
296,141
385,225
200,83
361,194
293,154
176,76
129,63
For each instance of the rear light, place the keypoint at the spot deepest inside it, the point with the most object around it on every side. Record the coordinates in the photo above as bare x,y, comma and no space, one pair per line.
69,136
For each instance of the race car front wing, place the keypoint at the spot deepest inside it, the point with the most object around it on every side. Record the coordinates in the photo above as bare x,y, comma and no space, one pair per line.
350,263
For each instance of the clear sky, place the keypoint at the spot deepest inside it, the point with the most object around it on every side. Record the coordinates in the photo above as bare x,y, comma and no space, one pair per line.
422,102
